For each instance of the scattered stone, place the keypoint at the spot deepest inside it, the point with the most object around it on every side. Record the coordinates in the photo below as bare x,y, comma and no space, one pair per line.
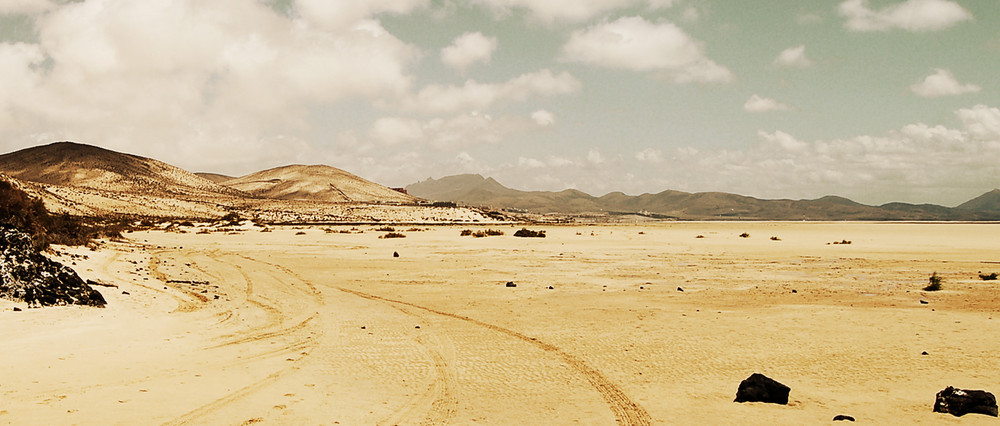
680,289
362,327
924,353
551,288
101,283
511,284
28,276
395,254
16,309
417,326
760,388
843,417
125,293
794,291
959,402
923,302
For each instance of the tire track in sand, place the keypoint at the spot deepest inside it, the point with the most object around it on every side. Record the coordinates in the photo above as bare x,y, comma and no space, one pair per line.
625,410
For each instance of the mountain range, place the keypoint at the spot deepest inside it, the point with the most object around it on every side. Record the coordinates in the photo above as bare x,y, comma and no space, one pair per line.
471,189
87,180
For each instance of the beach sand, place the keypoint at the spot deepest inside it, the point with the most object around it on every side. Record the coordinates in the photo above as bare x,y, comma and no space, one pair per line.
330,328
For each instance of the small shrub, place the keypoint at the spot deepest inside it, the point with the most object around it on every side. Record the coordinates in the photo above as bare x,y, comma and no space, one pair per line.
842,242
527,233
988,277
300,233
775,239
495,232
700,236
934,283
386,229
744,235
465,233
393,235
231,218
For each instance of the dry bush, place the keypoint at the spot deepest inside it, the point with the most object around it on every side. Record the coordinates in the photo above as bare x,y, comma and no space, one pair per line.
393,235
934,283
527,233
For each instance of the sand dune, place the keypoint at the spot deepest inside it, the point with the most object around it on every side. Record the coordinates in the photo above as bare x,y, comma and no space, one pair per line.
323,327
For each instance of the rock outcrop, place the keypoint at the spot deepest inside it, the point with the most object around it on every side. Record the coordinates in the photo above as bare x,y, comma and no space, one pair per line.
959,402
28,276
760,388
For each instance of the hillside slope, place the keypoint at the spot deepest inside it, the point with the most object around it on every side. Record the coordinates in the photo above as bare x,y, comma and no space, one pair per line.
315,183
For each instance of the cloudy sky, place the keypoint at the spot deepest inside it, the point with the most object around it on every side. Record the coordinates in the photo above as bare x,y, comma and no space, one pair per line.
875,100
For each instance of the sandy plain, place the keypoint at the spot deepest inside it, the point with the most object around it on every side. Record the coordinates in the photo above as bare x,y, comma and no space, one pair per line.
330,328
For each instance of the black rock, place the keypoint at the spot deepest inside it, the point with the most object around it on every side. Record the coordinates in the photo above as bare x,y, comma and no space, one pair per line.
395,254
28,276
959,402
511,284
16,309
840,417
760,388
924,302
924,353
680,289
551,288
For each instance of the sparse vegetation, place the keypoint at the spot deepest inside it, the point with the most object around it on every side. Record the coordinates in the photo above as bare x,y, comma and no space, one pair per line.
934,283
300,233
393,235
775,239
988,277
386,229
699,236
481,233
744,235
841,242
20,210
231,219
527,233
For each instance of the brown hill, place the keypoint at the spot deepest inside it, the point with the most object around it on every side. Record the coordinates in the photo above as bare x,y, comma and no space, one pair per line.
988,202
86,166
214,177
477,190
315,183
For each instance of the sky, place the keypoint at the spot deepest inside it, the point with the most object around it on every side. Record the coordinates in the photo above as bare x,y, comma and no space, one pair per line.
874,100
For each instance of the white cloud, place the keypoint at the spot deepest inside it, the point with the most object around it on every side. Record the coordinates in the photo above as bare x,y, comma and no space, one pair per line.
594,157
543,118
793,57
942,83
569,10
759,104
447,133
910,15
337,15
649,155
982,122
468,49
479,96
229,77
530,163
632,43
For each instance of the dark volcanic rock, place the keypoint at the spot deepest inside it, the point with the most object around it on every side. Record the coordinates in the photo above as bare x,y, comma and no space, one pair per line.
26,275
959,402
841,417
760,388
511,284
